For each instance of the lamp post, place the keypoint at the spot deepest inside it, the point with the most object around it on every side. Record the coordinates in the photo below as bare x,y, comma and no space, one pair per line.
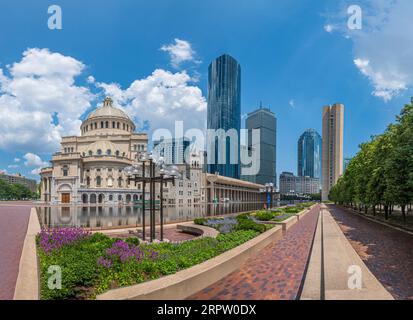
167,173
269,189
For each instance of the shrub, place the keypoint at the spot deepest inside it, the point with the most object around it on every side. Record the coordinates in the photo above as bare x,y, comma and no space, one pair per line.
264,215
246,223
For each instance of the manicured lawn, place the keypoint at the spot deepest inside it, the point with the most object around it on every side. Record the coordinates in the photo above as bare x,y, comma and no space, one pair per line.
93,264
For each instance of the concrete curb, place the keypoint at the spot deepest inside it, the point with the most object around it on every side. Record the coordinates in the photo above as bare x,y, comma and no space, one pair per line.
189,281
329,272
395,227
27,284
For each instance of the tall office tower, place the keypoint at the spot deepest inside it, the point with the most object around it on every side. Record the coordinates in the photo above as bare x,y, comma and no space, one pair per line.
224,112
332,161
309,154
264,120
174,151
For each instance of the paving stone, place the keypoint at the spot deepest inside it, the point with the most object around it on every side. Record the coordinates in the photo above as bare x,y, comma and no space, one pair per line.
387,252
277,271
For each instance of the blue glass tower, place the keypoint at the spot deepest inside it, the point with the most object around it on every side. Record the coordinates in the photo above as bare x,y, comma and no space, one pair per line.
224,112
309,154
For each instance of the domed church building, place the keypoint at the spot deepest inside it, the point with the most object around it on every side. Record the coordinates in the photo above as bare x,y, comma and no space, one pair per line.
88,169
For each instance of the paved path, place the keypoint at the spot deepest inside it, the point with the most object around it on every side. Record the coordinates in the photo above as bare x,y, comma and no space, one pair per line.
13,226
388,253
275,274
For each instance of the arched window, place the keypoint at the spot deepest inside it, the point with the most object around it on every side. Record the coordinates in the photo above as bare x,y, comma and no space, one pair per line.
108,152
123,126
99,152
101,124
120,182
107,124
113,124
84,198
65,171
117,153
92,198
88,181
90,153
117,125
110,182
98,181
110,197
96,125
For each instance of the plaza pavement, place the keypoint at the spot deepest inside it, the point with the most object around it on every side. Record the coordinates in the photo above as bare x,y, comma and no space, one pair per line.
276,273
387,252
14,218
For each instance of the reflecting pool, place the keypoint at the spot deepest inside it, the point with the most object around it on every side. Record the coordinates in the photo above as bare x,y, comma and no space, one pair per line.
104,217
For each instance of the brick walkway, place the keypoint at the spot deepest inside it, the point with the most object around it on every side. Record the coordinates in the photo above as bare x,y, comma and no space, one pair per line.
13,226
275,274
387,252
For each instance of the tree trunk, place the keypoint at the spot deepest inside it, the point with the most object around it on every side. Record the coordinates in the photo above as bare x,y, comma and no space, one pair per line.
386,212
374,210
365,209
404,213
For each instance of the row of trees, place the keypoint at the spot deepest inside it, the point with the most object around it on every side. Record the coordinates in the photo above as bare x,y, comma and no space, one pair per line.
380,176
9,191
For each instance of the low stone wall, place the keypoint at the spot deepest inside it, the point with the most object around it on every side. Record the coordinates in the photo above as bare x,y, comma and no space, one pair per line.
27,284
198,230
189,281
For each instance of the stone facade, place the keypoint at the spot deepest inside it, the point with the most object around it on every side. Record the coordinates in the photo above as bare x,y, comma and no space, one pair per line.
88,169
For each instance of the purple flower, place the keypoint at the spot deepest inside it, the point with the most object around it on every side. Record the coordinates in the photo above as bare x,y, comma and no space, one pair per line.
104,262
124,252
55,238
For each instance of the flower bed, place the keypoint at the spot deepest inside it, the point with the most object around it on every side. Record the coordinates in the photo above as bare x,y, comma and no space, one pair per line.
280,214
93,264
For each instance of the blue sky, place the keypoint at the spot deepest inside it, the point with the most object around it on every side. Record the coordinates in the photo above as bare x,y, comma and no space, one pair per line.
295,55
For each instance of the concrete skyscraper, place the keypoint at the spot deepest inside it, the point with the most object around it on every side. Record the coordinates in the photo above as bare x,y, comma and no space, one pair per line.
264,120
332,158
309,154
224,116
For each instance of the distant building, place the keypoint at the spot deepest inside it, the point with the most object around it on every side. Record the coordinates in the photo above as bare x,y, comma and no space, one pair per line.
309,154
293,185
19,179
172,150
264,120
224,114
346,163
332,158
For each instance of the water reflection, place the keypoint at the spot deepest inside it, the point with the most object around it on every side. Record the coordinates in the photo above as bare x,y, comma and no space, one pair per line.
94,217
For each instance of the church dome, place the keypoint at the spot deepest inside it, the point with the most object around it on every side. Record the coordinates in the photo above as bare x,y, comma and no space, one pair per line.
107,120
107,110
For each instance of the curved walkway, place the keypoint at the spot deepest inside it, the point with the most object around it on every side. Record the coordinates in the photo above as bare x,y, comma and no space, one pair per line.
13,226
388,253
275,274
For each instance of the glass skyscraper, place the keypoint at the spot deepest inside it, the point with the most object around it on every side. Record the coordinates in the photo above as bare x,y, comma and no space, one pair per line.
224,112
309,154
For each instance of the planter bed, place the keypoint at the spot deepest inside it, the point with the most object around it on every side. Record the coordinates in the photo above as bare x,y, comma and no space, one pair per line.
92,264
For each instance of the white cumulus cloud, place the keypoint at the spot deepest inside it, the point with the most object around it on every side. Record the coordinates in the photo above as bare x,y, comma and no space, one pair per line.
180,51
160,99
33,160
39,101
382,48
